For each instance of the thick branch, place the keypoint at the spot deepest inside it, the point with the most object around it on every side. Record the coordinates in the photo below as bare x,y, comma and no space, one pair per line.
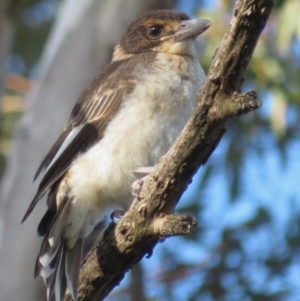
150,217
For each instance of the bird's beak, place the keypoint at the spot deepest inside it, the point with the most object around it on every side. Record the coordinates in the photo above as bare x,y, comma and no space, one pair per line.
191,29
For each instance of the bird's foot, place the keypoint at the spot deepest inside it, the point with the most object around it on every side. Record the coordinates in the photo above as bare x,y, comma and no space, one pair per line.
137,185
117,214
144,170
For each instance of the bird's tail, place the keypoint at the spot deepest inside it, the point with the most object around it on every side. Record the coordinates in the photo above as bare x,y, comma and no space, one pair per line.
57,263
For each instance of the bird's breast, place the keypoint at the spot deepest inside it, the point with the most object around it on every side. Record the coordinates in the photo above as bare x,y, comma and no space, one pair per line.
147,124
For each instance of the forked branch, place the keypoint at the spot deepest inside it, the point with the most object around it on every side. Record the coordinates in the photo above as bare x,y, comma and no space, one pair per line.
150,218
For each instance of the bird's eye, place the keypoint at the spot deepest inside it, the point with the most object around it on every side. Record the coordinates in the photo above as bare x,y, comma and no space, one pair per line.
154,31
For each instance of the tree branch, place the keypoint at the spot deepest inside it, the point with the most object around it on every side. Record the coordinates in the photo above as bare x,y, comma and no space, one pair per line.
150,218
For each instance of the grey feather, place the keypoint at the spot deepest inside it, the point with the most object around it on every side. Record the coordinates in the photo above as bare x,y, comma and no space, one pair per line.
73,262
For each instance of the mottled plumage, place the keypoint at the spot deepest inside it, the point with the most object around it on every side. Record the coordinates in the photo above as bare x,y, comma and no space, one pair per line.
127,118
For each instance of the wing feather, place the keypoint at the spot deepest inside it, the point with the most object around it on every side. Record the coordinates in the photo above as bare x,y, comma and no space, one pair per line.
88,121
85,138
51,154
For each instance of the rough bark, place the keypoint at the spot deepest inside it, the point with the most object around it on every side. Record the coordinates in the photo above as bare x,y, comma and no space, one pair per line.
150,218
81,43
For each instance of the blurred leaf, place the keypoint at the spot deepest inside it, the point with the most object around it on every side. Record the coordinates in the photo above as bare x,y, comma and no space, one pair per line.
262,217
288,26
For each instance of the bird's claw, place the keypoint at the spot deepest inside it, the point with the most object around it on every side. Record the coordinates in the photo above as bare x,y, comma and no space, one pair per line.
117,214
144,170
136,187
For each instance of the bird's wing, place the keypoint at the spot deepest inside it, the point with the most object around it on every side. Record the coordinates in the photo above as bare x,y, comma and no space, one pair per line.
99,102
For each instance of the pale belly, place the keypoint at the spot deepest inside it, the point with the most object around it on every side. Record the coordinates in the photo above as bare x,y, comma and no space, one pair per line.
143,130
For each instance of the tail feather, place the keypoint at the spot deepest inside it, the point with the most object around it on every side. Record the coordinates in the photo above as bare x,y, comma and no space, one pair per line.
60,277
53,239
73,261
56,282
48,281
48,253
64,273
59,262
50,277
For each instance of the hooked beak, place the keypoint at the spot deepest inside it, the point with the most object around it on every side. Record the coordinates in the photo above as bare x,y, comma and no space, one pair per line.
191,29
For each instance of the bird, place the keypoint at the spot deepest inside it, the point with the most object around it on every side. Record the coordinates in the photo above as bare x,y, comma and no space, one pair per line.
126,119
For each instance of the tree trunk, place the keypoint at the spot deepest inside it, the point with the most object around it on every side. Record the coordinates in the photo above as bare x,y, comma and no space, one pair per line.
81,43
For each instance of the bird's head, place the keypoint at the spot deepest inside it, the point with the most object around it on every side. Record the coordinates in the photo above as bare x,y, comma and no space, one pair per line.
161,31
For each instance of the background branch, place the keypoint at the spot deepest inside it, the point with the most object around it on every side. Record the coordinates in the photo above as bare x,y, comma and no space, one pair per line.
150,217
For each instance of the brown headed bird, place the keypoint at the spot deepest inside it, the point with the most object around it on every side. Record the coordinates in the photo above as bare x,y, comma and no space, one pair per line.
127,118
